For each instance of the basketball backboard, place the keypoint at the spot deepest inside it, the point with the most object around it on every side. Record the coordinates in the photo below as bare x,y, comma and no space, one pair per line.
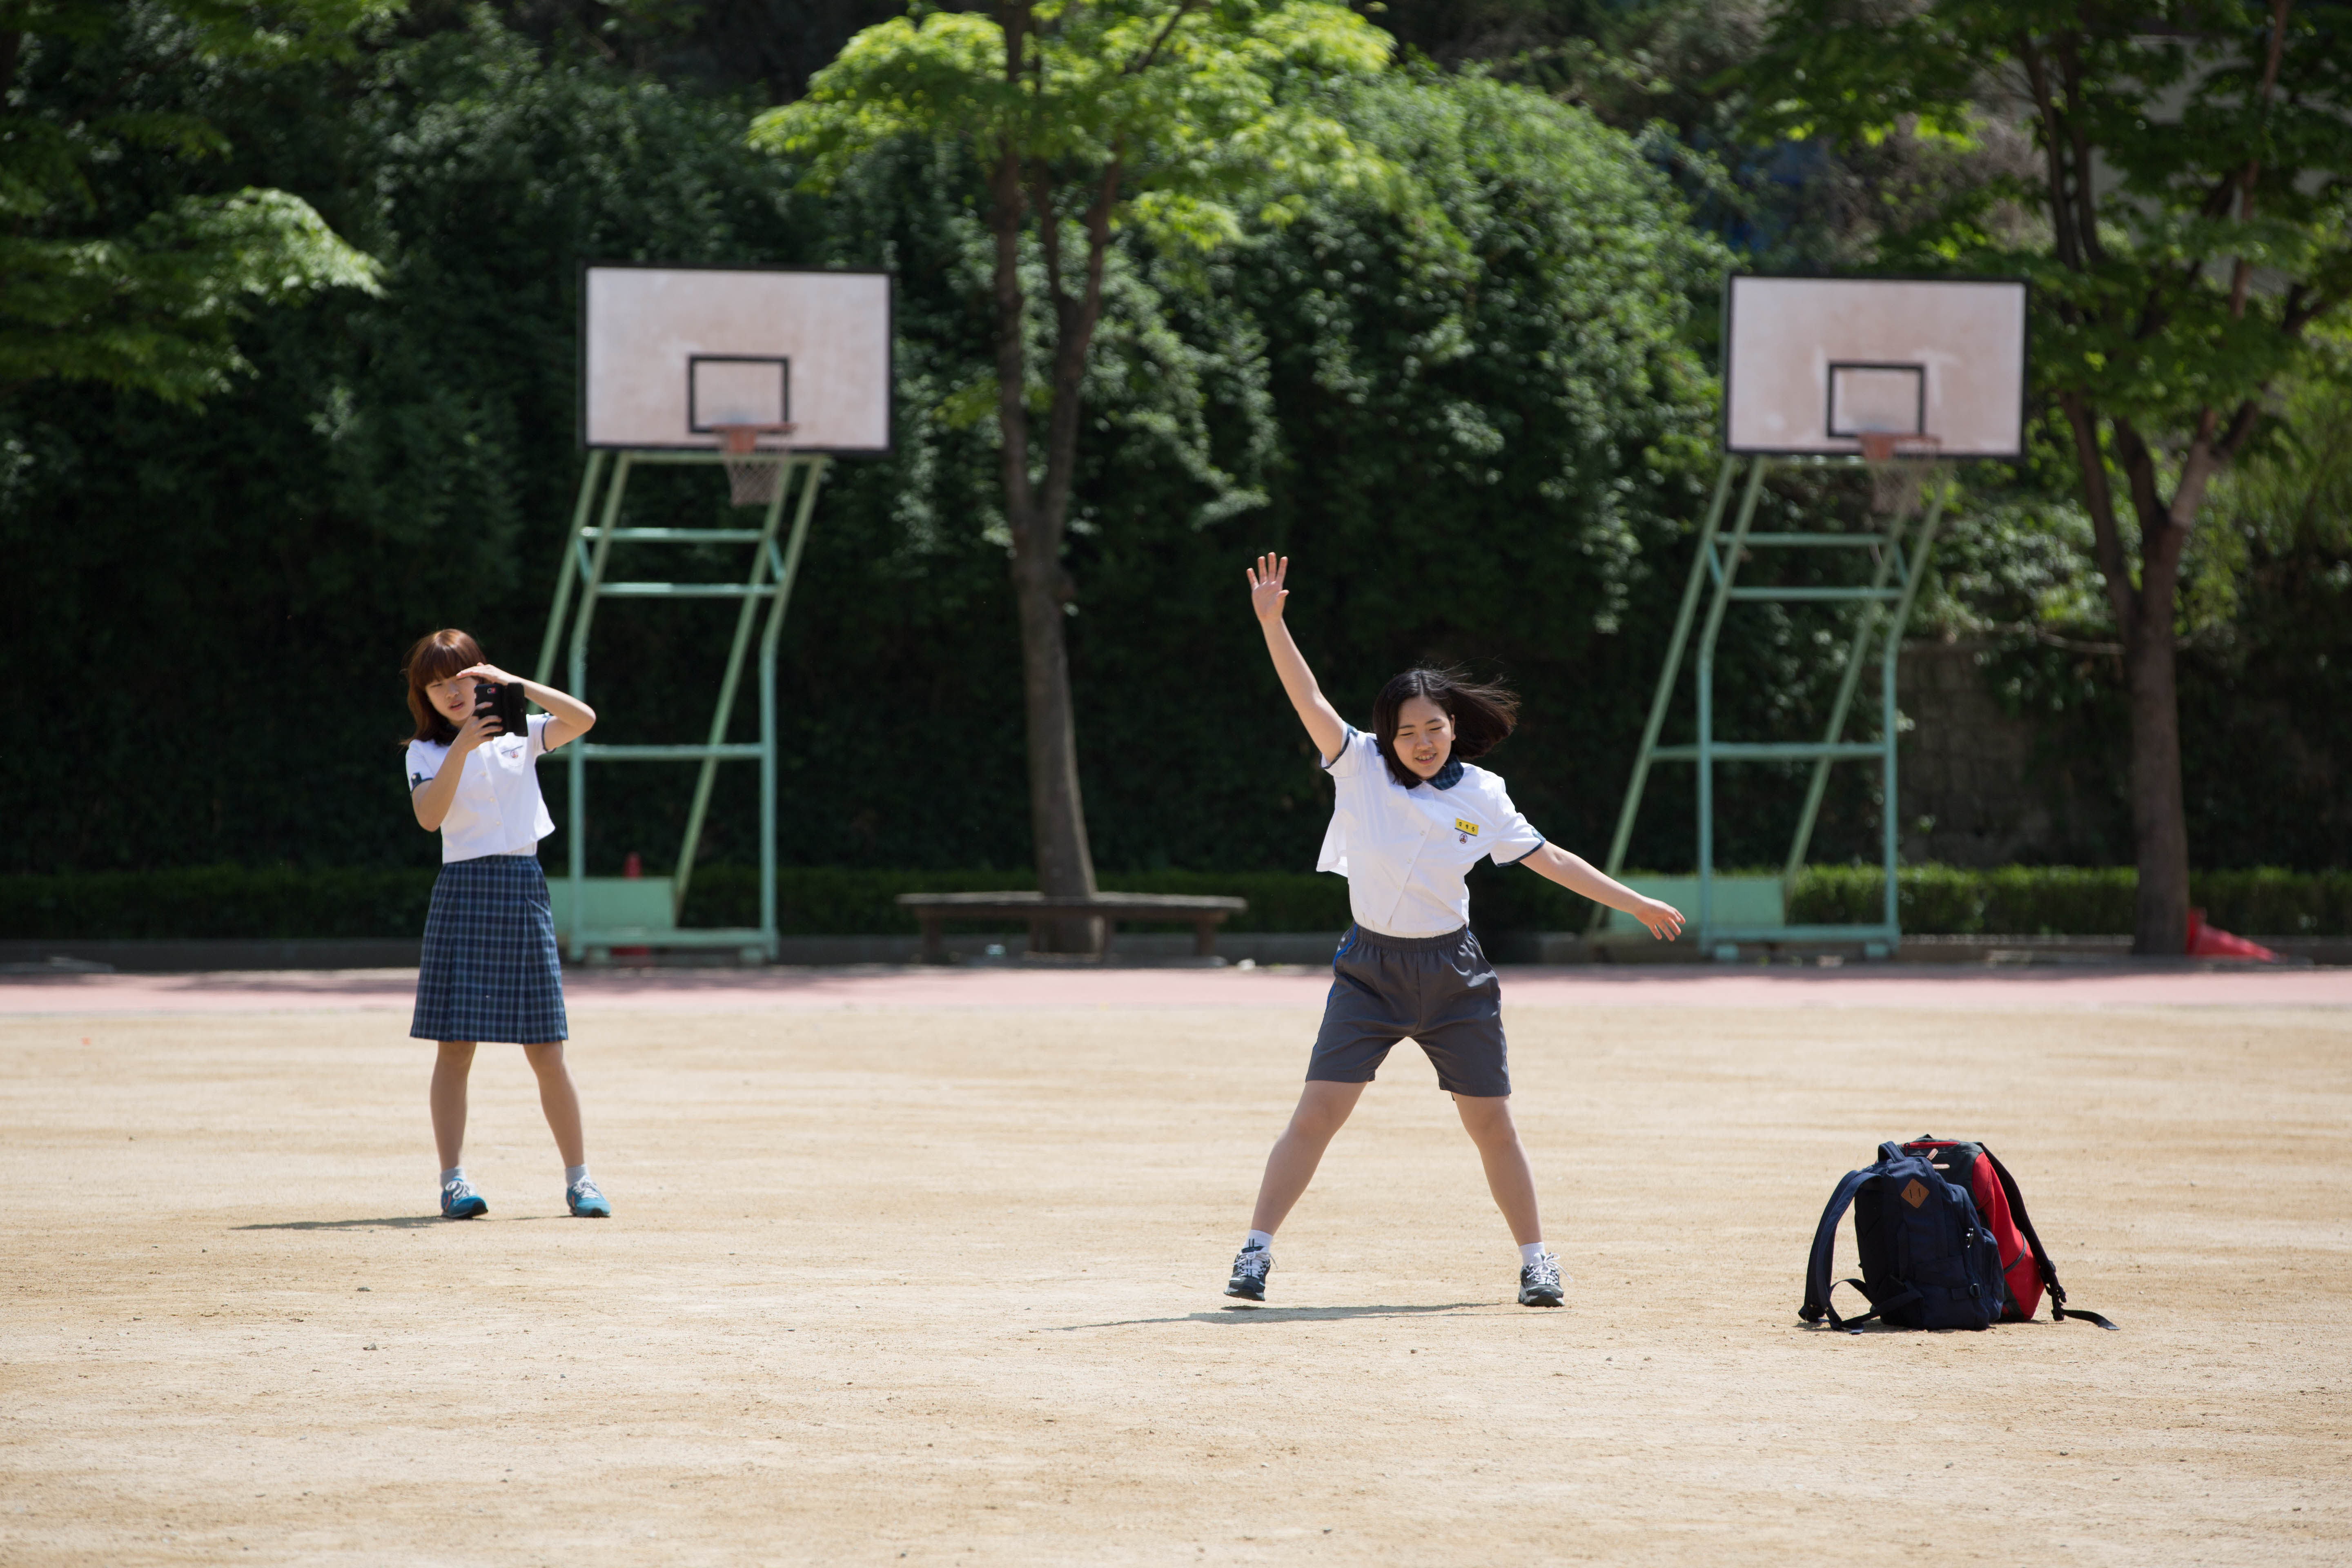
1811,364
669,355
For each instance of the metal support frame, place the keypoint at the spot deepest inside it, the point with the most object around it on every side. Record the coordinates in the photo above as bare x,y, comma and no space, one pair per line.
587,556
1899,563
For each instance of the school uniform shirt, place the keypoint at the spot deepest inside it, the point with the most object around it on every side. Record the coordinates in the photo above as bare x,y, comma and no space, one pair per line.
1406,851
498,809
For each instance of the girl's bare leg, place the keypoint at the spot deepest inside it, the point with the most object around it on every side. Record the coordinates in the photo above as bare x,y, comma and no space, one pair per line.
559,1099
1488,1121
448,1100
1323,1109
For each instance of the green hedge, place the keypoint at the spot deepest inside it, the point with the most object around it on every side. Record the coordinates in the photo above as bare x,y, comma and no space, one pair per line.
235,901
214,901
2072,900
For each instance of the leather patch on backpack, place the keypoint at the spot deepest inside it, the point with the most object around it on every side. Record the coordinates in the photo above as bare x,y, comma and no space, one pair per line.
1913,1193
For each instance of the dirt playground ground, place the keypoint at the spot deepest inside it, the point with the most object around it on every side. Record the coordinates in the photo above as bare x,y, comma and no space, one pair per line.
927,1269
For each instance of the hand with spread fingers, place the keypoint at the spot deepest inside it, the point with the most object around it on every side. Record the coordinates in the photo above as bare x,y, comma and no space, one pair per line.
1266,592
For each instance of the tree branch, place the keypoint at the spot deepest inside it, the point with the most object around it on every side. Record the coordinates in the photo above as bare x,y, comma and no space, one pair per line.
1006,209
2139,477
1143,61
2070,61
2242,276
2242,428
2107,542
1049,233
1098,223
1077,319
2197,469
2062,220
2313,303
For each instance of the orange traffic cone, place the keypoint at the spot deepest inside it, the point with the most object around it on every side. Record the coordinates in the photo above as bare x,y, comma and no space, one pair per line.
2213,941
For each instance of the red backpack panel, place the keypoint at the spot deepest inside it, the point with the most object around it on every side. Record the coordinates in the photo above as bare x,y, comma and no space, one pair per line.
1973,1170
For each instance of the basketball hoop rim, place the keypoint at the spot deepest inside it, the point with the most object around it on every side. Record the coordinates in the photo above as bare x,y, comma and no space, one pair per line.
743,440
1890,447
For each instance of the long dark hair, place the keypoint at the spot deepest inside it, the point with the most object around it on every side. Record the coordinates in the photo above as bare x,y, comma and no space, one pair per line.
1484,715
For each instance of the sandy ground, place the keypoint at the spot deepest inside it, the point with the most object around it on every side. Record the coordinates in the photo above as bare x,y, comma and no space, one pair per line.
898,1278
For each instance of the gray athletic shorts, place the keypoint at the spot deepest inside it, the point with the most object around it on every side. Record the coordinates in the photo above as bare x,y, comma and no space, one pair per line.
1437,991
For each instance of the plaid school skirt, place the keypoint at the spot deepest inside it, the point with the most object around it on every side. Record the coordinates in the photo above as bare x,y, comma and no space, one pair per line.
490,971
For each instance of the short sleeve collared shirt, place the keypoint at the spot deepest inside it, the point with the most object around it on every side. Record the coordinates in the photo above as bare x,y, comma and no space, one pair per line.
498,809
1406,851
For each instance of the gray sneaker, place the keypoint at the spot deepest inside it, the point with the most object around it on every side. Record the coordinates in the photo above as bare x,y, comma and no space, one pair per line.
1250,1266
1539,1283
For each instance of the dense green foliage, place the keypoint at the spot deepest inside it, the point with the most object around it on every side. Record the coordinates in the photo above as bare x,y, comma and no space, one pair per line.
1501,465
2265,655
2187,229
406,461
235,901
123,261
1087,125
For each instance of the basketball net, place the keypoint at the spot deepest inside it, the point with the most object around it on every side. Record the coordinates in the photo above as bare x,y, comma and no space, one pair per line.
751,481
1900,467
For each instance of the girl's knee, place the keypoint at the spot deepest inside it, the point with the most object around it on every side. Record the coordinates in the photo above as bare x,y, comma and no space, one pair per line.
1324,1108
1486,1120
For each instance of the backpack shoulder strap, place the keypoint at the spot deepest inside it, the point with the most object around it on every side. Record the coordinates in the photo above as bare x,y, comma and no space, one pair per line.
1853,1325
2048,1270
1817,1263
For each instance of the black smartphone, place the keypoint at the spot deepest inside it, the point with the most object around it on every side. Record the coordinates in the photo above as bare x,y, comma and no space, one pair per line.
503,701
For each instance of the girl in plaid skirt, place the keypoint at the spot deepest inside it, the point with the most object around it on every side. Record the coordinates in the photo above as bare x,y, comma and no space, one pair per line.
489,969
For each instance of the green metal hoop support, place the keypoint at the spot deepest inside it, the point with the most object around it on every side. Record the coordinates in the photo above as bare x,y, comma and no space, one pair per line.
581,575
1900,556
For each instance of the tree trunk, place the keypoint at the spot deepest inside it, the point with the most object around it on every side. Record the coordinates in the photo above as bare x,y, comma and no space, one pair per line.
1057,812
2160,819
2144,613
1057,822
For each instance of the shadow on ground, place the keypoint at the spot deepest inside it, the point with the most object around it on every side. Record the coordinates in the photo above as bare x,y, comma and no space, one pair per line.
1240,1314
391,1221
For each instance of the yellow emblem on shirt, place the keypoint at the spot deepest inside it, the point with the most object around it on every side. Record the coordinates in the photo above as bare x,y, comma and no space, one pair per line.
1469,827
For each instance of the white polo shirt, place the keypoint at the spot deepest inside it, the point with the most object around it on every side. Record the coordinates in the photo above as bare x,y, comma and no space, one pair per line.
1406,851
498,809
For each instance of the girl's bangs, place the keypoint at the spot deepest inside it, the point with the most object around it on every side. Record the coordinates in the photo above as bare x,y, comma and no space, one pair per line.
441,656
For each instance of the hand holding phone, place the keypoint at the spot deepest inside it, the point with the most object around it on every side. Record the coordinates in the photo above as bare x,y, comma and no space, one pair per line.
503,703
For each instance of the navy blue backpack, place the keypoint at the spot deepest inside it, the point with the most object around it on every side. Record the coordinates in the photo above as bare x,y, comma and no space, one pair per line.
1928,1261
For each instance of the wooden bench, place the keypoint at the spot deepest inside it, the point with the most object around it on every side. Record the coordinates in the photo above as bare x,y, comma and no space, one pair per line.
1203,914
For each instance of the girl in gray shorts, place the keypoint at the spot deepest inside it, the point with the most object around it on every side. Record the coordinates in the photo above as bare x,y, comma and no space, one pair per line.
1410,820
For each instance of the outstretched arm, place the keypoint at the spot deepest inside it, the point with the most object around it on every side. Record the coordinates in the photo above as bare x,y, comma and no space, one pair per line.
1324,725
1578,875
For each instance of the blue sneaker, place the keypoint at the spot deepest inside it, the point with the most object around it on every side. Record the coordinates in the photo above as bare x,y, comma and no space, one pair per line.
586,1202
460,1201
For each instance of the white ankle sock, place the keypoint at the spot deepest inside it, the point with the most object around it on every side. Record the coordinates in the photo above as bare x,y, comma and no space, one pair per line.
1259,1238
574,1174
1528,1252
454,1173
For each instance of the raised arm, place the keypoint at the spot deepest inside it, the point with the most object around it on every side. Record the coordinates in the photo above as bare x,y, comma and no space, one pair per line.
1578,875
568,717
1324,725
